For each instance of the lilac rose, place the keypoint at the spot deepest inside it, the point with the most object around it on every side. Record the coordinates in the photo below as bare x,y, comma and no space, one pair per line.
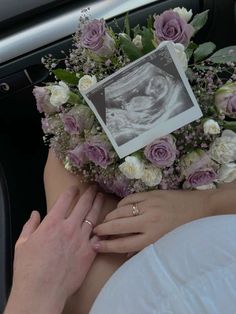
99,151
96,38
225,99
170,26
201,177
78,119
162,152
42,95
77,156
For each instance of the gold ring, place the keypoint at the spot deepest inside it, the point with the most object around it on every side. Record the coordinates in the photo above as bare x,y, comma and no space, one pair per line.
89,222
135,210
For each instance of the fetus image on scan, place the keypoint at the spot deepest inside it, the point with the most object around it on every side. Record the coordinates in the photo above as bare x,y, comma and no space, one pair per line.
141,99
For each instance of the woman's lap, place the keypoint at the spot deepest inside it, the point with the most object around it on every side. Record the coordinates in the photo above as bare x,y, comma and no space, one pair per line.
190,270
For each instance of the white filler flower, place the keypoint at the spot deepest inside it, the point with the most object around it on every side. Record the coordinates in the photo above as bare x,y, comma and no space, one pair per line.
227,173
184,13
152,176
211,127
59,94
86,82
132,167
138,41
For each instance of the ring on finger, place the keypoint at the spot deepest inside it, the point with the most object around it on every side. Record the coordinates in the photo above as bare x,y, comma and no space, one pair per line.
135,210
88,222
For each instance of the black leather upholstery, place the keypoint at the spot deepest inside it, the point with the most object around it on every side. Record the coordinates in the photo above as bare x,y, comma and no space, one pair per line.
5,242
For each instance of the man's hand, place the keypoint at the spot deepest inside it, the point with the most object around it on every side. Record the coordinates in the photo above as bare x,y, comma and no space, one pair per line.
53,258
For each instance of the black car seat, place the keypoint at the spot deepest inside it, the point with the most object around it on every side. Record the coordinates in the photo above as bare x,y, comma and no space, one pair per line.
5,241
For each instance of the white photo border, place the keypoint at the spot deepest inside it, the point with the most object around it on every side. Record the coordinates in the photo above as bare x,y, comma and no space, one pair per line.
166,127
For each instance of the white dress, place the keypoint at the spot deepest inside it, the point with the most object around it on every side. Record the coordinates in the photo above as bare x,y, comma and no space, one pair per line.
191,270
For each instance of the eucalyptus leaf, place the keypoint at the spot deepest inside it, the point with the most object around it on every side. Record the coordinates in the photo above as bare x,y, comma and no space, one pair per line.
227,54
66,76
129,48
203,51
147,40
199,20
190,49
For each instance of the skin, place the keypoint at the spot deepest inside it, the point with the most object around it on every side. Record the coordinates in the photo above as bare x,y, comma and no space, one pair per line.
160,212
48,254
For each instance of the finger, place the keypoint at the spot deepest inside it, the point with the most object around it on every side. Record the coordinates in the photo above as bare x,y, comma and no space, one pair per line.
63,203
30,226
133,198
119,226
83,205
133,243
93,214
121,212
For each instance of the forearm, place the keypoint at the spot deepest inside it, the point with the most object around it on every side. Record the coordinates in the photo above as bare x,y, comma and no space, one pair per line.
28,303
223,200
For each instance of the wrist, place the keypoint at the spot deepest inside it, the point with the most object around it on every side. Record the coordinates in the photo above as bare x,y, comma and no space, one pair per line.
27,302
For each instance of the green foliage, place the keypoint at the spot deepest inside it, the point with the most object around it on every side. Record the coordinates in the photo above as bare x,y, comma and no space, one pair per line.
129,48
190,49
127,25
227,54
147,40
230,125
150,22
199,20
136,30
66,76
203,51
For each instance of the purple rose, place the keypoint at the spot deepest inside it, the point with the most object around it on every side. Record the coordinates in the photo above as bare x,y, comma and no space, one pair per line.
99,151
77,156
78,119
170,26
42,95
161,152
201,177
96,38
121,186
231,106
225,99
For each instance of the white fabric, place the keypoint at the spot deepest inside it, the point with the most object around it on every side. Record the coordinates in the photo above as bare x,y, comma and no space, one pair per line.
191,270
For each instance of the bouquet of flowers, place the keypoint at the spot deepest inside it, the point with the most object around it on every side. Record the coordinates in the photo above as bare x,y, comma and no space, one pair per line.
199,155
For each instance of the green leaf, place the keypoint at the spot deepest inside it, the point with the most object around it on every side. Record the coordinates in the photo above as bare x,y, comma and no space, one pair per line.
136,30
227,54
147,40
190,49
127,25
129,48
230,125
150,22
66,76
203,51
199,20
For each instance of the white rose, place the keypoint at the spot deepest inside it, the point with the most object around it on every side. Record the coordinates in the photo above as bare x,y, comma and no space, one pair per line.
184,13
227,173
138,41
132,167
180,52
152,176
210,186
86,82
211,127
59,94
223,149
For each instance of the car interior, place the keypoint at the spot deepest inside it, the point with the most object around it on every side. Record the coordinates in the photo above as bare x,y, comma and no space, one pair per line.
29,30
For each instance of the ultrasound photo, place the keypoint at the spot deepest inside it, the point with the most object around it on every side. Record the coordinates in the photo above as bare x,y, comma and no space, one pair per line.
147,99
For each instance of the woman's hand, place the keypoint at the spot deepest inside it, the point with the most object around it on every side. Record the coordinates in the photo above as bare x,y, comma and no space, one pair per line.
53,257
159,213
